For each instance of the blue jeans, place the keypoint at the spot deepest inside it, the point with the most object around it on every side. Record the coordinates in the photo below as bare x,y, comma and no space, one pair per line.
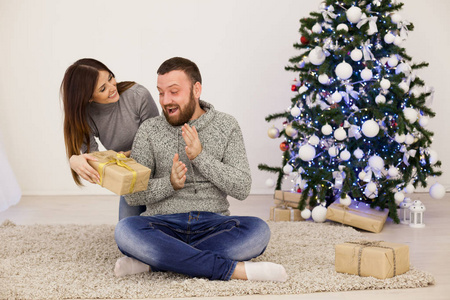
126,210
197,244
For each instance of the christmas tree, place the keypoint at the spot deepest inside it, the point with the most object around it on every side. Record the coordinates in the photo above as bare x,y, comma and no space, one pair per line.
357,124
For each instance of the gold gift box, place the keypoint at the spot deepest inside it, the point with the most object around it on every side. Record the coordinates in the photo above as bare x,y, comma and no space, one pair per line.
119,174
285,214
371,258
362,217
287,198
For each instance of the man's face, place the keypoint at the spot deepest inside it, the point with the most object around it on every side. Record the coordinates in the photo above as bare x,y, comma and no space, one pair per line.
176,97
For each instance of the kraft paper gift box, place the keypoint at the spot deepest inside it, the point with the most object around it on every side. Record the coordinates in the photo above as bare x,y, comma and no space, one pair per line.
120,174
363,217
287,198
278,213
372,258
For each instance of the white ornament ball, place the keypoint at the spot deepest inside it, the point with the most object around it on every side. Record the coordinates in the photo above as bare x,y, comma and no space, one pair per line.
336,97
344,70
287,169
317,56
389,38
433,156
410,114
345,201
302,89
290,131
307,152
340,134
404,86
314,140
398,197
370,128
327,129
295,111
409,189
398,41
319,214
333,151
423,121
362,175
409,139
437,191
400,138
358,153
369,194
392,61
270,183
354,14
273,132
393,171
356,55
366,74
345,155
385,84
403,68
317,28
376,163
324,79
380,99
371,187
306,214
342,26
396,18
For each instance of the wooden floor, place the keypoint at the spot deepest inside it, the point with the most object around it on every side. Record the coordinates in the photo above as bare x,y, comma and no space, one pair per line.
429,246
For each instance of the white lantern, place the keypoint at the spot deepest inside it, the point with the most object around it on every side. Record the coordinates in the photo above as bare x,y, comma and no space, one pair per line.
416,214
404,207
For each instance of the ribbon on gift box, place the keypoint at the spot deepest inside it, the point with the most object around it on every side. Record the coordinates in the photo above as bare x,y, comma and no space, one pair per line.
120,159
365,244
284,205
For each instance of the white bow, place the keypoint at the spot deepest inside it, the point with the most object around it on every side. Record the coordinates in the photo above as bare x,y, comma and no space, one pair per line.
368,55
403,26
372,24
328,14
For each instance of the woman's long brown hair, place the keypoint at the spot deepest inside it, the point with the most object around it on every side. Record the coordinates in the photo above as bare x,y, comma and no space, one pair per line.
76,90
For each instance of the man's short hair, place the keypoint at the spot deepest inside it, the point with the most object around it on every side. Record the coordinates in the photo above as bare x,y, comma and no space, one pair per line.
181,64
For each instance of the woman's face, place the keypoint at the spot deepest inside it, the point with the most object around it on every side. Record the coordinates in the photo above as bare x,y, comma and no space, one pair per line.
106,89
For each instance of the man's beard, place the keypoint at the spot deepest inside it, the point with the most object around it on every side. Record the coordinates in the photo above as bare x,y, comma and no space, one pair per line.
185,114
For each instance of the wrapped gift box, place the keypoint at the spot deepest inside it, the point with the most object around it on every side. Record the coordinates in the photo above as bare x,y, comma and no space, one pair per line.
285,214
370,258
120,174
287,198
362,217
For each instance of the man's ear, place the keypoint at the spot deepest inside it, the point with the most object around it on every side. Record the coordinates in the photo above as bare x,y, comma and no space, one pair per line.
197,90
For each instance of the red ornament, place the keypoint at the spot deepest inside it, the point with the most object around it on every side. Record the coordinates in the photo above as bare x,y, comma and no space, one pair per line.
304,40
294,88
284,146
299,190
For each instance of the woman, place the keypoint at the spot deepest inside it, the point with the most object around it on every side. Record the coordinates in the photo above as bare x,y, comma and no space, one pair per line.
95,105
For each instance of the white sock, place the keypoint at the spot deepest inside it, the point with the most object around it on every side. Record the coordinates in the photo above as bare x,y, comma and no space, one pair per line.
265,271
128,266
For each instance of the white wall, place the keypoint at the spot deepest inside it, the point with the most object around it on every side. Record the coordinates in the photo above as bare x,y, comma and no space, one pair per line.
241,47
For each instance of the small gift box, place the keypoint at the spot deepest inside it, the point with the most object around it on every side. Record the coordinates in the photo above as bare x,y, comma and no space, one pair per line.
279,213
362,217
372,258
286,198
120,174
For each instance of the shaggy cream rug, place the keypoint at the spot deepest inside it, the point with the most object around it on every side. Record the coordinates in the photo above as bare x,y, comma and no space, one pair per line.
76,261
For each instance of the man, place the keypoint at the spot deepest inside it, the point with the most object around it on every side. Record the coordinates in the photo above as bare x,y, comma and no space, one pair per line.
197,157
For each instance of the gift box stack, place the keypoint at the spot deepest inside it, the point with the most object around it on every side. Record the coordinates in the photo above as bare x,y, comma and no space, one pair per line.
362,216
372,258
120,174
286,206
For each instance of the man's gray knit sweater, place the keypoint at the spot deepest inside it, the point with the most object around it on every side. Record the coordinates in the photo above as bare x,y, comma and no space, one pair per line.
221,168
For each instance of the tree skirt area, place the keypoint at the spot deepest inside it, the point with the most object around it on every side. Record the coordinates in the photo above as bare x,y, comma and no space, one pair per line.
76,261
